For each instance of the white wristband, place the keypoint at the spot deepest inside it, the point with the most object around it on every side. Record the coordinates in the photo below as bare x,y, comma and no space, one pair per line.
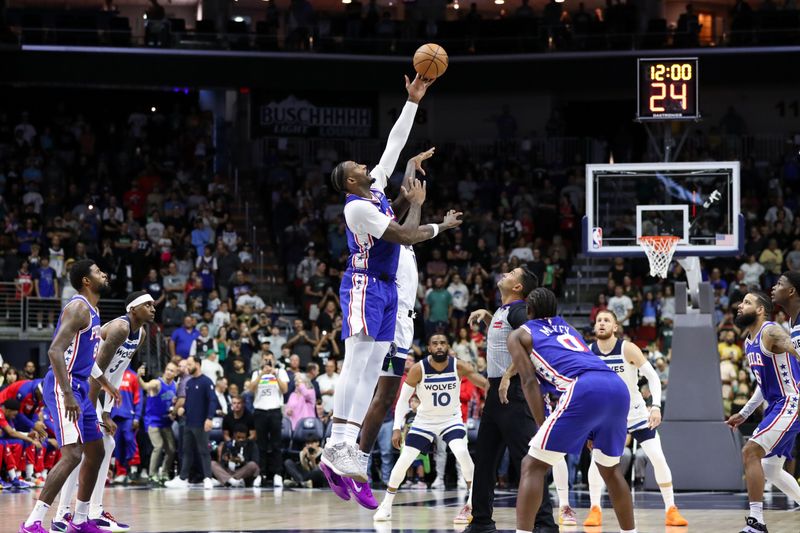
96,372
435,228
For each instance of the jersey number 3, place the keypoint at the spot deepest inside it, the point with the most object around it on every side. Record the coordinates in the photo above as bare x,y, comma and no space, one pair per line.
570,342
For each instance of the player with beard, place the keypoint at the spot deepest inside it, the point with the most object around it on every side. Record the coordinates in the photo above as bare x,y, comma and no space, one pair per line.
436,380
774,360
627,360
66,396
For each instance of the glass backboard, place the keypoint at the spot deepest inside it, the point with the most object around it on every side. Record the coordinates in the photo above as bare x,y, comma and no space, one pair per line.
697,202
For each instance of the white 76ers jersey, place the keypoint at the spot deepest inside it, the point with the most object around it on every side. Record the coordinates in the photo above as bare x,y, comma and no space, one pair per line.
439,393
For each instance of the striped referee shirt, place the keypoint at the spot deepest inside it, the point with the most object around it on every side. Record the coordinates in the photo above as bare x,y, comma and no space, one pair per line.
506,319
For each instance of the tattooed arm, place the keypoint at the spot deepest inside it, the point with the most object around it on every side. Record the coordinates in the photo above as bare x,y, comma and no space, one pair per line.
777,340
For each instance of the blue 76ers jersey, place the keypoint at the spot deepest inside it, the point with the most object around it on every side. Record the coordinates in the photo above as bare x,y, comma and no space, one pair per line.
559,353
371,254
776,374
80,354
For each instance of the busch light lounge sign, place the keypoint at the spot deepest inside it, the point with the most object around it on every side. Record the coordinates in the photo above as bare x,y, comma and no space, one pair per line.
313,115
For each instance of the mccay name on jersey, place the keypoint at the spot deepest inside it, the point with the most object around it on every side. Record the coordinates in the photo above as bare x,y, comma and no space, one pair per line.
550,330
439,386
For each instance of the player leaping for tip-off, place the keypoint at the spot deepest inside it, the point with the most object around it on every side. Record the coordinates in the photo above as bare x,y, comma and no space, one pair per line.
368,292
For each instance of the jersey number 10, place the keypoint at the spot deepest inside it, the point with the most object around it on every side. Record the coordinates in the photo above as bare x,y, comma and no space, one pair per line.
441,399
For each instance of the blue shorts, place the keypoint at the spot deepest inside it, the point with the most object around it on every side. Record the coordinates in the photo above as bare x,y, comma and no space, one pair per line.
422,433
594,407
777,431
369,305
85,428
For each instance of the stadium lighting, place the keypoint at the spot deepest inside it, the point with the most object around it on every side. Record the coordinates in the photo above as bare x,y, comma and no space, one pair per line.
498,2
238,19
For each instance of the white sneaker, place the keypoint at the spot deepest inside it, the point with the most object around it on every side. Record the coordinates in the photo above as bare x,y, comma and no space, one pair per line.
177,483
438,484
257,482
342,459
107,522
236,483
464,516
277,481
462,484
210,483
383,514
119,480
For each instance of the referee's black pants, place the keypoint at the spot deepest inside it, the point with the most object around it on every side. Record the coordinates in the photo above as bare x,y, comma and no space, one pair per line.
502,425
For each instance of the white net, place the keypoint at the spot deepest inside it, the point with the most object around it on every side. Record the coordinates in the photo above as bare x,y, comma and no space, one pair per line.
659,250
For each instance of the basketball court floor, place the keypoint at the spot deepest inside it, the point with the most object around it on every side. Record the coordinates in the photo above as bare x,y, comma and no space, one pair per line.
299,510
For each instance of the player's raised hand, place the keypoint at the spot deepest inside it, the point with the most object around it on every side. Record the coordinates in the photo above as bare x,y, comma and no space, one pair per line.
419,158
735,421
451,220
416,89
416,192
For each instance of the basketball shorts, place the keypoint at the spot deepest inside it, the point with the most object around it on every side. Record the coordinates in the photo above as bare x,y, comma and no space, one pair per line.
777,431
395,361
85,428
369,305
423,432
594,407
638,417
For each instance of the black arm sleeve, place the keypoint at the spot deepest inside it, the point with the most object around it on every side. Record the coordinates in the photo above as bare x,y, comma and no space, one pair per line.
517,314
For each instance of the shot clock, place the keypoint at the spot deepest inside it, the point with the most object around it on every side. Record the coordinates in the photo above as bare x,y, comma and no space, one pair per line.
667,89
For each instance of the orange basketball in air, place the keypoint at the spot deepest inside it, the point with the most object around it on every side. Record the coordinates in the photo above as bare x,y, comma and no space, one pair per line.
430,61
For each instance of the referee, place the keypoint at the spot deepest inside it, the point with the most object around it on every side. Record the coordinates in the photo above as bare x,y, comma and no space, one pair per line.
506,421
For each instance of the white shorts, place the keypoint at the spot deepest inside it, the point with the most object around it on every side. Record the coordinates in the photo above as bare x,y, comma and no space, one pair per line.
395,362
780,426
423,432
638,417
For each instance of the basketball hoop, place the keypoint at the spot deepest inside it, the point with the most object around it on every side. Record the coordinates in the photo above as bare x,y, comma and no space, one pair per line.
659,250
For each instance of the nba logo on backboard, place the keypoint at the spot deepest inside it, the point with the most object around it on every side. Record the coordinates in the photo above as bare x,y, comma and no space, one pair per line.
597,238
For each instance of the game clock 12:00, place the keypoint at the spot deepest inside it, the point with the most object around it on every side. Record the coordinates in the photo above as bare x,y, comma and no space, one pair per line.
667,89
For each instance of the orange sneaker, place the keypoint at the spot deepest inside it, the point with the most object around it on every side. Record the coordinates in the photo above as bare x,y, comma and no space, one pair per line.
674,518
595,517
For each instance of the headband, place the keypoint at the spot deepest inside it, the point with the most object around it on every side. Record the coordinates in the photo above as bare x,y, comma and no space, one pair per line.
143,299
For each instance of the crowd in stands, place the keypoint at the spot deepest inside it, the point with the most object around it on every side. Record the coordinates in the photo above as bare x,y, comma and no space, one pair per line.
463,28
163,224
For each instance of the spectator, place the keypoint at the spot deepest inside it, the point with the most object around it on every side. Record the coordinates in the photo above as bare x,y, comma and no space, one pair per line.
203,344
306,473
662,369
172,316
239,457
227,264
464,347
622,305
238,416
269,384
198,407
600,304
46,286
206,265
728,349
182,339
221,392
460,301
28,370
210,366
237,373
302,343
302,400
158,417
439,309
327,385
772,259
154,287
174,282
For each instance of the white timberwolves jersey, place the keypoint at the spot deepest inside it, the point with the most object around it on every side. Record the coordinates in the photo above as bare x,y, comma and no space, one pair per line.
629,373
439,393
407,279
122,357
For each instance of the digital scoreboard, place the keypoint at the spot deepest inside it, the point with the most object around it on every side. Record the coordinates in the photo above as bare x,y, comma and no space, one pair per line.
667,89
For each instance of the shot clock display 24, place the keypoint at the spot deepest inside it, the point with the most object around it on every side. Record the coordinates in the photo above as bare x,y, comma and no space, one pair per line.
668,89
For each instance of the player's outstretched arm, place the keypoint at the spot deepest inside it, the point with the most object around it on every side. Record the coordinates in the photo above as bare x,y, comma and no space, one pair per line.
519,346
777,340
113,334
468,371
402,407
633,354
400,205
411,232
74,318
752,404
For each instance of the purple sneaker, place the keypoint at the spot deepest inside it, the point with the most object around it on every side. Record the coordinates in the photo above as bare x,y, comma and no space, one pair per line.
337,482
362,493
87,527
35,528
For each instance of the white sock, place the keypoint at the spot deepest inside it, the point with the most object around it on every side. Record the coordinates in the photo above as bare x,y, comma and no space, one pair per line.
370,372
757,511
96,507
68,491
38,513
388,499
524,531
561,477
29,471
351,434
358,349
668,496
627,530
337,433
596,485
81,512
775,474
469,495
12,474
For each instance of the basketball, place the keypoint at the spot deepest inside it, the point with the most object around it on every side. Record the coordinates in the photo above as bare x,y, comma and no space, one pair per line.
430,61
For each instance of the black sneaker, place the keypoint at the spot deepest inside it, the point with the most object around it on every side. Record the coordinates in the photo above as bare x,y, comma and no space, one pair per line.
480,528
754,526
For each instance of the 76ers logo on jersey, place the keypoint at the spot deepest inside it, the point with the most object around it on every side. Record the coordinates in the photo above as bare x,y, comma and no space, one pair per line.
754,359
